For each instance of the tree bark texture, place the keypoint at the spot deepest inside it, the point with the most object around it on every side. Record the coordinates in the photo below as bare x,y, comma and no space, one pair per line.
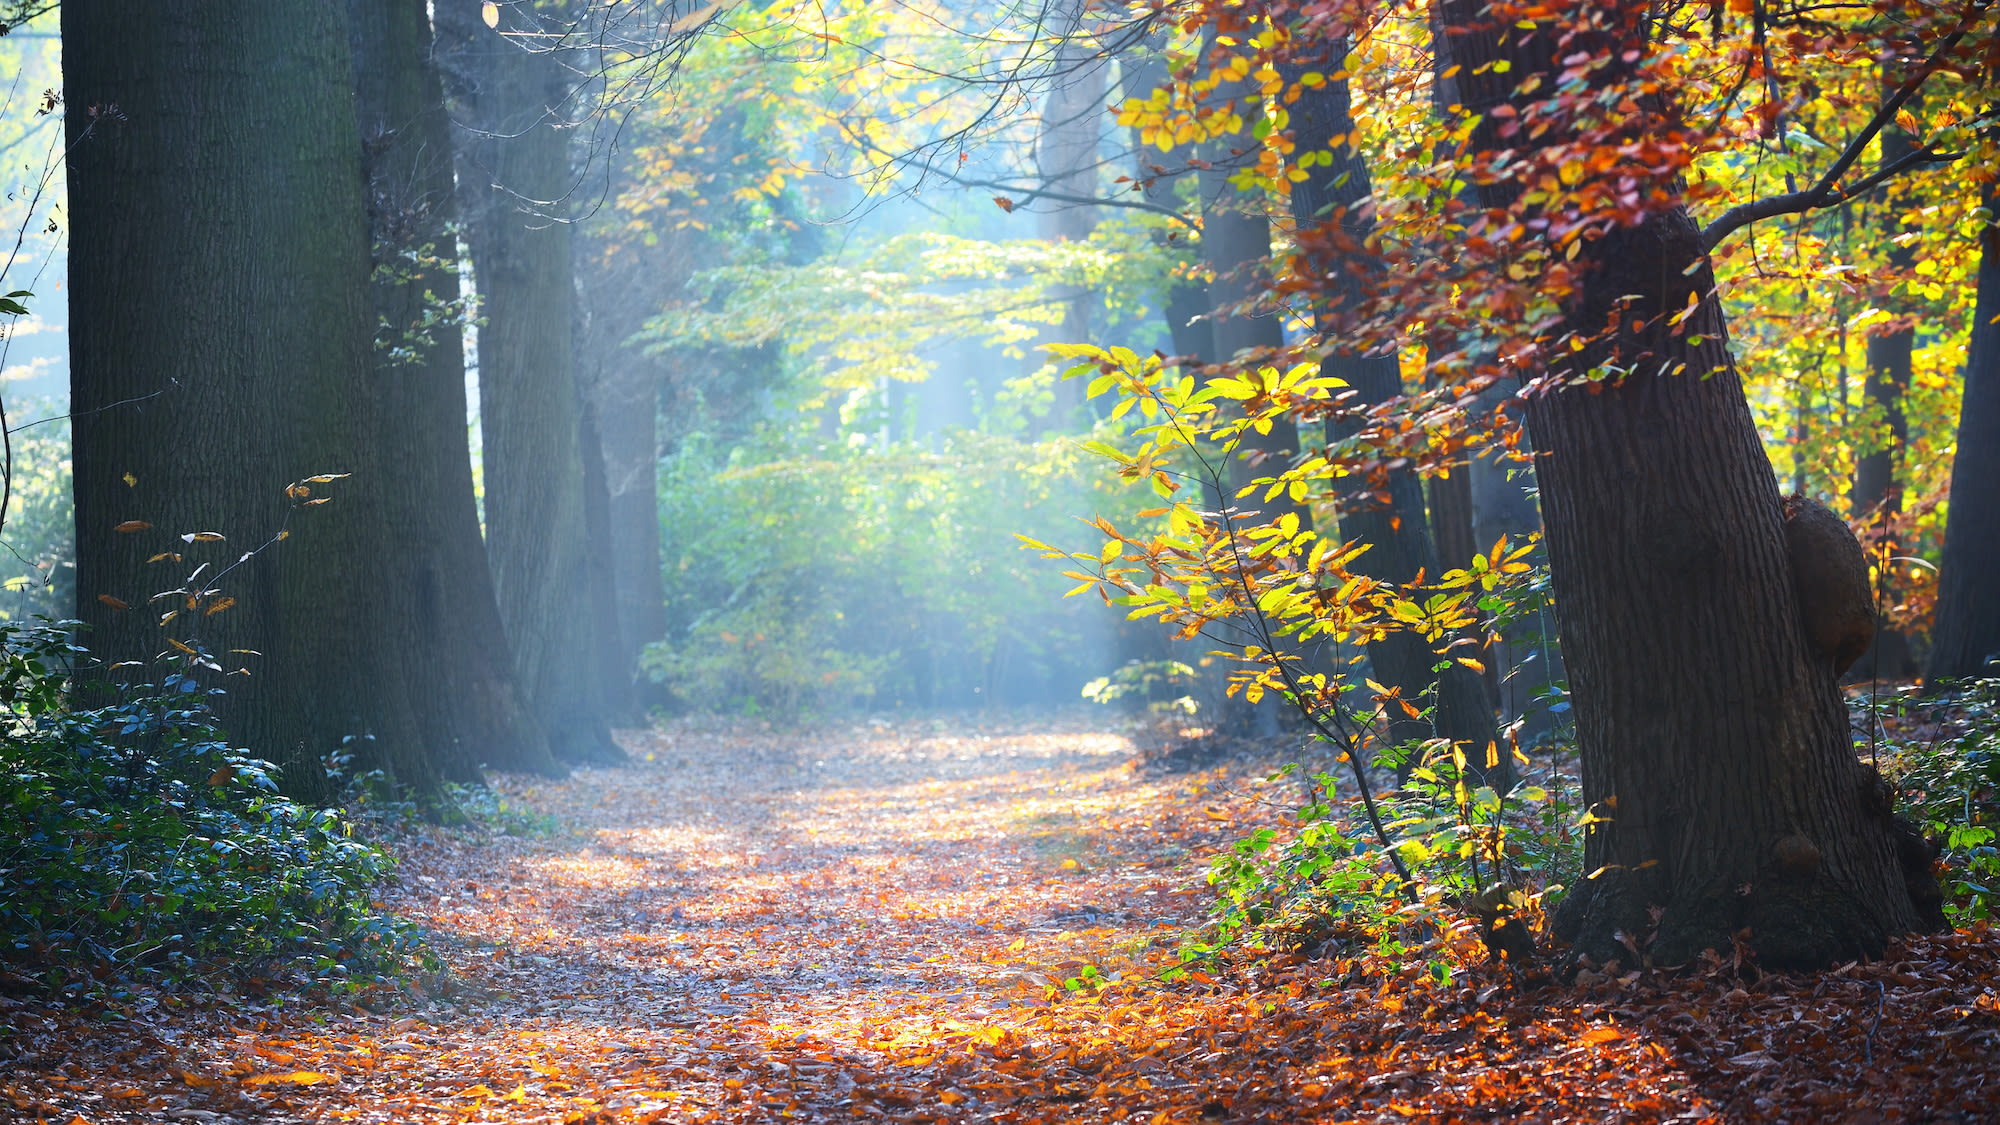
220,333
1388,515
1965,641
468,700
514,179
1711,736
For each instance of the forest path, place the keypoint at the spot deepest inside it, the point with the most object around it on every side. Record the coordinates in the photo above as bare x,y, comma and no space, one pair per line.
873,923
760,925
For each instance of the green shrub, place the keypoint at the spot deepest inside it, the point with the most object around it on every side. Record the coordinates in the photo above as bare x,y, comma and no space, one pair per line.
38,541
135,838
1951,787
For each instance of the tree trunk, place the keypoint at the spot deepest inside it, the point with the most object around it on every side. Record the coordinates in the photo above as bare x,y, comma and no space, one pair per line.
621,287
436,582
220,333
614,670
1236,240
1878,494
1711,736
1397,532
1183,300
1965,641
1527,659
1066,158
514,180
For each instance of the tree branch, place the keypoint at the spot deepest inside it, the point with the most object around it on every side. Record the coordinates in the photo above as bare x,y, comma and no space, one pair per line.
1743,214
1824,193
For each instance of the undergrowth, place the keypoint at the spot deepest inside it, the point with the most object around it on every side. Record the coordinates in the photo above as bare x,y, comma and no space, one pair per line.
141,845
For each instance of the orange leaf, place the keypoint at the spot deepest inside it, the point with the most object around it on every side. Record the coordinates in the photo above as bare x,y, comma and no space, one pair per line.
130,526
1603,1035
114,603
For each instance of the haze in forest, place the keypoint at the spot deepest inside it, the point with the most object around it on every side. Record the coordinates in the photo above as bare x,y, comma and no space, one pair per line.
1557,445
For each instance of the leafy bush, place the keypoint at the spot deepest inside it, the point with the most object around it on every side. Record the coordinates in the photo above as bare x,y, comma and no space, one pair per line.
38,547
1951,788
137,839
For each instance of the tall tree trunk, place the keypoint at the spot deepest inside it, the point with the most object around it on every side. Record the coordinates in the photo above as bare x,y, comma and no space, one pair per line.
220,337
1397,532
1183,300
1711,734
1236,240
621,287
1527,659
469,703
1067,159
1878,494
614,671
514,181
1965,641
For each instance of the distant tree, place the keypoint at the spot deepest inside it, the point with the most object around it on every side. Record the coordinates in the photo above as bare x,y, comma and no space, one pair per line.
511,96
461,671
622,283
1878,490
219,349
1384,510
1965,641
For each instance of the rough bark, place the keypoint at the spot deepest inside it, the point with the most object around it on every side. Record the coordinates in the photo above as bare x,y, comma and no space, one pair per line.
514,179
1397,530
220,348
1710,733
1965,641
469,703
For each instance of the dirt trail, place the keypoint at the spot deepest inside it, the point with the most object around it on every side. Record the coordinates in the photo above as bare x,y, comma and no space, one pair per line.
743,924
873,923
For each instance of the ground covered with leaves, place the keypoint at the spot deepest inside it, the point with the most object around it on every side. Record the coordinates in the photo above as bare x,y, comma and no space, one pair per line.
950,921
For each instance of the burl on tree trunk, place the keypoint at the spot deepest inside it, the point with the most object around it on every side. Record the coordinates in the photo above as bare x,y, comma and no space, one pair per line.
1712,734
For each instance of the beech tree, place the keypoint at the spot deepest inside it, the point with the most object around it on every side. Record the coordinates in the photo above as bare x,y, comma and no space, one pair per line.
1712,733
1965,641
511,94
220,336
1384,509
440,591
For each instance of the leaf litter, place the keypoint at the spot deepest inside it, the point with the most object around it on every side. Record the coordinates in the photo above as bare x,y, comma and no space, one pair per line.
878,921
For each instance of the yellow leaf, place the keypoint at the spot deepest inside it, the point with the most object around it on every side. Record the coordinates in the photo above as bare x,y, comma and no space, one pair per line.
291,1077
131,481
489,13
480,1091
